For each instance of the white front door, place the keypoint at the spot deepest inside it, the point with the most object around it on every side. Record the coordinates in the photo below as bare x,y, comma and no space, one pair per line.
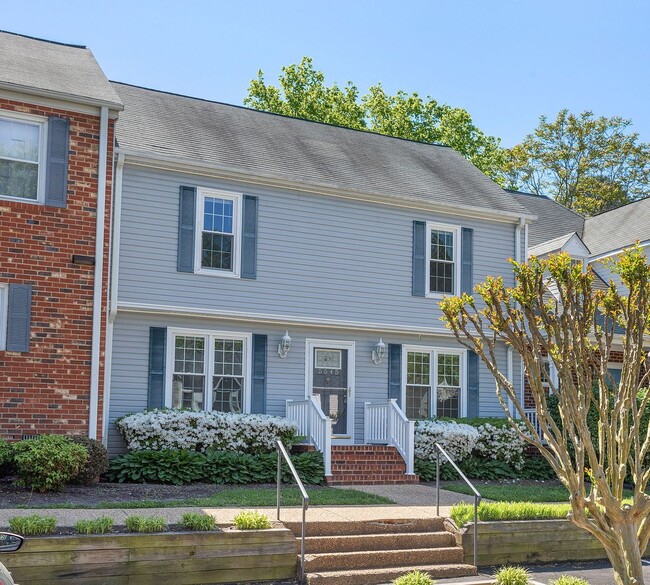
330,379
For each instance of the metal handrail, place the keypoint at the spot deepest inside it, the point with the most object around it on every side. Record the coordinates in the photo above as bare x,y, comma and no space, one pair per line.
477,496
282,452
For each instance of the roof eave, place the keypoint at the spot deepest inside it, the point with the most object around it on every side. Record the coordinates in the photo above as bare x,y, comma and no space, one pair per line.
117,106
146,158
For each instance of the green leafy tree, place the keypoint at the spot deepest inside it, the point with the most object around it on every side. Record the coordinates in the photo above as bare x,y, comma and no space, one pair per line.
577,333
587,163
303,93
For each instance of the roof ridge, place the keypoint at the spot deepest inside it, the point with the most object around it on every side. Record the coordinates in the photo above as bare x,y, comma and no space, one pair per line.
371,132
74,46
640,200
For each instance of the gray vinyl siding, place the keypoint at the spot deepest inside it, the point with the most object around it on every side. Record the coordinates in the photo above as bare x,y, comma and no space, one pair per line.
285,377
318,256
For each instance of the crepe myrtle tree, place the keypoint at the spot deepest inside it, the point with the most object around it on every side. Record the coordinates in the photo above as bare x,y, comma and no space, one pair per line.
576,329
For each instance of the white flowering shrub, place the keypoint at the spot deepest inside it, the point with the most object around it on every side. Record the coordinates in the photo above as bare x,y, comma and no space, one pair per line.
186,429
457,439
501,442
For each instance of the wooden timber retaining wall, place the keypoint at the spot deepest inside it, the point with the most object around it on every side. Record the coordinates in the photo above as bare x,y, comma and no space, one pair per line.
185,558
529,541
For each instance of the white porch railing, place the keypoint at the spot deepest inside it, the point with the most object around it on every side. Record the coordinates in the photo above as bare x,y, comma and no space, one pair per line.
313,424
531,416
385,423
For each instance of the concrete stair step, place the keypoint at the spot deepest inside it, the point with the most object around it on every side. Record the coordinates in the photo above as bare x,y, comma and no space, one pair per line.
366,527
374,542
337,561
377,576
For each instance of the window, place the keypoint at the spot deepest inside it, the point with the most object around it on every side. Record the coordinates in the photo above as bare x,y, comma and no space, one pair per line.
4,293
434,384
443,274
218,232
22,140
210,371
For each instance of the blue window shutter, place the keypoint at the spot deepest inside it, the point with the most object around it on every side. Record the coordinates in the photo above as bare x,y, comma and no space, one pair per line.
56,169
472,384
19,311
186,228
157,353
249,238
467,255
258,394
419,259
395,372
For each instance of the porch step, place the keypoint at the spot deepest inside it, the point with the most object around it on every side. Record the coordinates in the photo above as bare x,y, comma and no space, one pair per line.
365,552
368,464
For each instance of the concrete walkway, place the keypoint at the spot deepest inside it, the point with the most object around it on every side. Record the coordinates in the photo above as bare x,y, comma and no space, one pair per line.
414,495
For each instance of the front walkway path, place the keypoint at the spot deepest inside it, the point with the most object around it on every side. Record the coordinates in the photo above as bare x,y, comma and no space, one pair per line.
414,495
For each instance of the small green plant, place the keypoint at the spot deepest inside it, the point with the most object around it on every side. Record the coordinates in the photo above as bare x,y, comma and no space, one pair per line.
145,524
48,462
33,525
97,463
512,576
196,521
414,578
175,466
101,525
252,521
6,457
495,511
569,580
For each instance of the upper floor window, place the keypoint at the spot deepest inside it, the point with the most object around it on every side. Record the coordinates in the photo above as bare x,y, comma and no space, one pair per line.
21,157
443,259
218,232
435,383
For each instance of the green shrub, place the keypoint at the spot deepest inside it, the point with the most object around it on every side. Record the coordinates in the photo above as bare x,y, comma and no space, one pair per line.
6,457
145,524
173,466
498,511
48,462
97,463
512,576
414,578
252,521
197,521
568,580
33,525
101,525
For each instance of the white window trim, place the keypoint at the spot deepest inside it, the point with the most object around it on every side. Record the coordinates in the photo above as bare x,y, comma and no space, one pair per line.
4,314
434,351
201,194
210,336
40,121
455,229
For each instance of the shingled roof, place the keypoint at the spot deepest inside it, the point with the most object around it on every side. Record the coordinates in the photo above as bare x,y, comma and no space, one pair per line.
67,72
302,152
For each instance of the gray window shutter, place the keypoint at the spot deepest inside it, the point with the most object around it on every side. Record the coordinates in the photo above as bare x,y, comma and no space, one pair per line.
472,384
467,254
419,259
186,228
258,394
157,353
395,372
56,170
249,238
19,312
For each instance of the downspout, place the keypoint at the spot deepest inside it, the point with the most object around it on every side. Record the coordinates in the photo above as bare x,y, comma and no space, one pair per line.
116,222
509,353
99,268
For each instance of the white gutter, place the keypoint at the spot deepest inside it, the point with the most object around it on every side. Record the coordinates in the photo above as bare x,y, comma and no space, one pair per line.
509,353
526,241
99,267
116,221
49,93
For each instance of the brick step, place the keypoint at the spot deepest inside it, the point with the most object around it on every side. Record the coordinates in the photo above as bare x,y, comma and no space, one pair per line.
368,460
371,479
368,527
377,576
360,467
372,559
377,448
375,542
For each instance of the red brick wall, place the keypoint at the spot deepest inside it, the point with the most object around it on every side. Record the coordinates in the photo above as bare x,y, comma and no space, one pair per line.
48,389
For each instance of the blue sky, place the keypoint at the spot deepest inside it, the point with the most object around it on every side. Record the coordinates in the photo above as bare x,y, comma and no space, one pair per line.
505,61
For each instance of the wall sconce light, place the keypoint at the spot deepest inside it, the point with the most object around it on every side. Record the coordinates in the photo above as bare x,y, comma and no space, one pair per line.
284,346
379,352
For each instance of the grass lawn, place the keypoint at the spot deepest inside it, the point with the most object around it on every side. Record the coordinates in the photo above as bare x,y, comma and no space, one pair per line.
246,498
513,492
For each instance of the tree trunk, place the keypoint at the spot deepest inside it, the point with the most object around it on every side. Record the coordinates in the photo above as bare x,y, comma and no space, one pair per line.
625,556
